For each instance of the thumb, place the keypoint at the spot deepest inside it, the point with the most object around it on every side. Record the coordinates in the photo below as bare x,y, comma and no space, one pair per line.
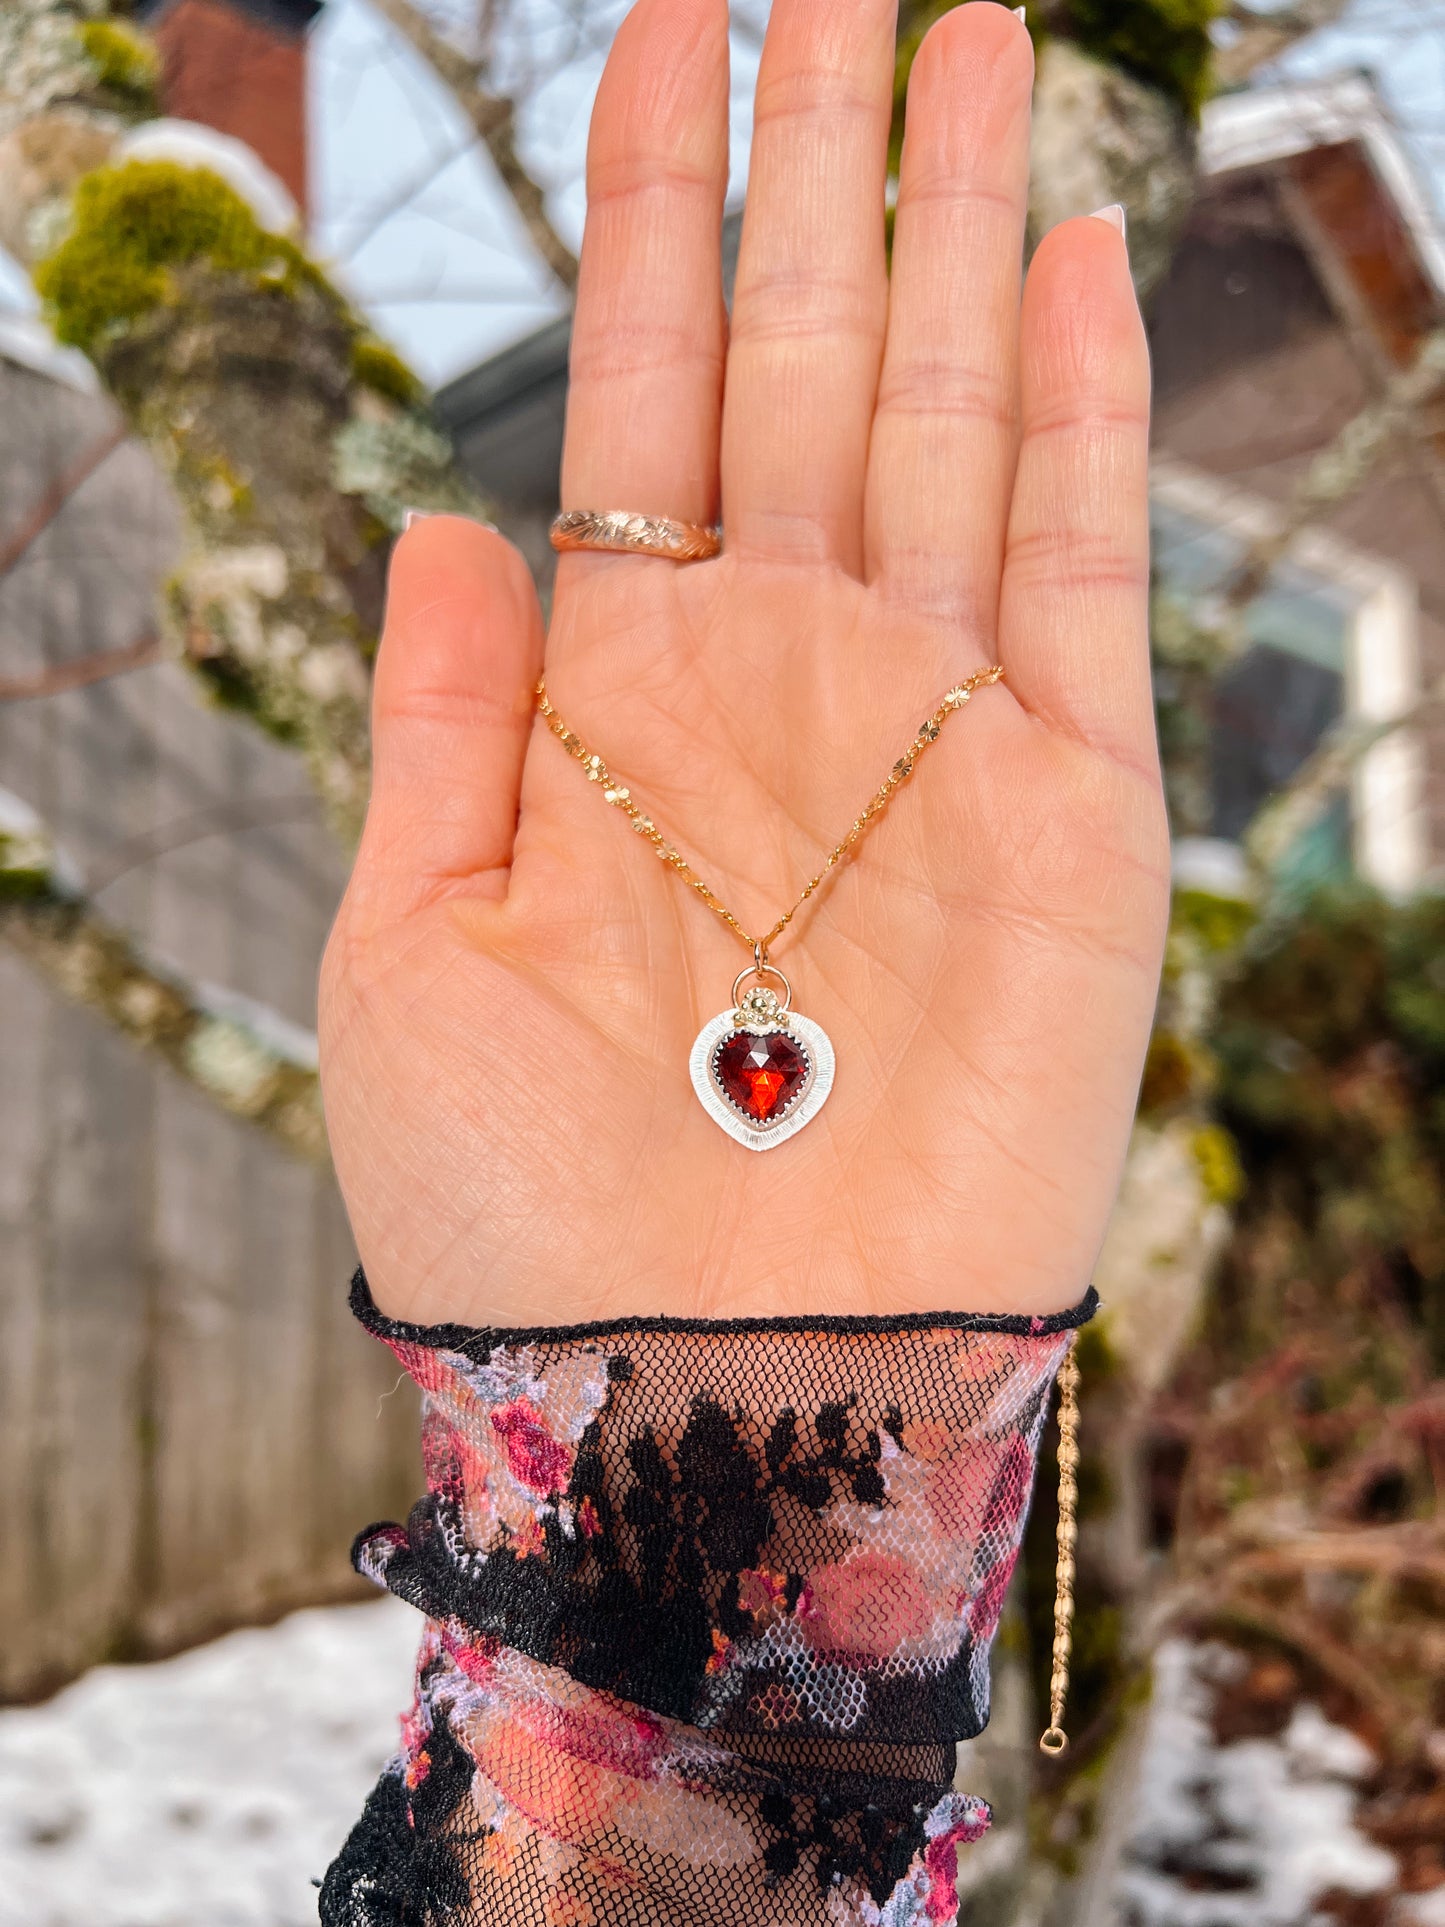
452,707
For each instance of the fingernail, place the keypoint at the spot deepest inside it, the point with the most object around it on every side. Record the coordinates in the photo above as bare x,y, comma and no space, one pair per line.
410,516
1021,13
1116,218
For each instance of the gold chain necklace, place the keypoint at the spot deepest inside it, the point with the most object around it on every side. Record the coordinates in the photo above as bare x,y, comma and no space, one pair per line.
761,1070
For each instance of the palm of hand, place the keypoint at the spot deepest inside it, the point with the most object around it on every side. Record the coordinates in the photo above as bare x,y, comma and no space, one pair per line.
515,983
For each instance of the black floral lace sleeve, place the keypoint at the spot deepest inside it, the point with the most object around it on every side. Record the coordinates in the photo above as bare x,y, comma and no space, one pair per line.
708,1606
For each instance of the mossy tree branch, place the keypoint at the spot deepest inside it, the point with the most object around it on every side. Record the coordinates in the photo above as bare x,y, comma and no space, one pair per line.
249,1063
291,435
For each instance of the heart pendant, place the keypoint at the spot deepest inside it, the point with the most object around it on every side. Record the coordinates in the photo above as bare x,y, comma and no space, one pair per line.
761,1072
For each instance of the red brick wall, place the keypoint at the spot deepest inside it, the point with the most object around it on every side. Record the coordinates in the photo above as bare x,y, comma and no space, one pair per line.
241,77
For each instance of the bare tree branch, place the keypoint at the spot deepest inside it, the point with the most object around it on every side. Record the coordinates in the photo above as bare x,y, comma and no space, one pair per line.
1339,470
1296,808
242,1057
55,497
81,671
1261,38
223,819
494,117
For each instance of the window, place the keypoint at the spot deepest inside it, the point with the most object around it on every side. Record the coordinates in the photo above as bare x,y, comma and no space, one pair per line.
1331,640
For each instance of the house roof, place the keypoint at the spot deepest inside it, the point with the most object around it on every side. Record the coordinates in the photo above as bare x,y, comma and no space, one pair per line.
1264,126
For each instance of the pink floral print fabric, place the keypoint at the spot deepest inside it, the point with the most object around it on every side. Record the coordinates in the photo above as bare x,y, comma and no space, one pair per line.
708,1607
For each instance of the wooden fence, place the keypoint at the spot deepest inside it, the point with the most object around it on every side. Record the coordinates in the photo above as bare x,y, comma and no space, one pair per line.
191,1427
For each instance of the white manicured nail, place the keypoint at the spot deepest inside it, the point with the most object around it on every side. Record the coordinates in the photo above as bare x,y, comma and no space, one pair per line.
411,516
1021,13
1115,216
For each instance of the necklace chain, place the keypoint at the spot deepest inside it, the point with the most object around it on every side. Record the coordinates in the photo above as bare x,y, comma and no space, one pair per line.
1055,1739
621,797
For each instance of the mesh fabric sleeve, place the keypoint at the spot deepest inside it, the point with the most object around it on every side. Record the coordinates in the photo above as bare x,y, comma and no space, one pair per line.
707,1607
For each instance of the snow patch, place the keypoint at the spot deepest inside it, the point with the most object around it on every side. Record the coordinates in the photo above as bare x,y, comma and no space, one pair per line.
1246,1835
205,1791
25,340
1214,866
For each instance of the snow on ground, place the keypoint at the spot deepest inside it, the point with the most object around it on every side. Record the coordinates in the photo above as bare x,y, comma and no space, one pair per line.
213,1789
204,1791
1251,1834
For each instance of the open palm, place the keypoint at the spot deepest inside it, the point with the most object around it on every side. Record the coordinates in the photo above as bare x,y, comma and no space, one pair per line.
917,475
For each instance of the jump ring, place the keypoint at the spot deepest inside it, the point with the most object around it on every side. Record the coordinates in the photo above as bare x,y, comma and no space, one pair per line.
764,970
620,532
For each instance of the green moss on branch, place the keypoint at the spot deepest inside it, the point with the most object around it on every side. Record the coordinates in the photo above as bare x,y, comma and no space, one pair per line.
126,65
133,226
1165,43
381,369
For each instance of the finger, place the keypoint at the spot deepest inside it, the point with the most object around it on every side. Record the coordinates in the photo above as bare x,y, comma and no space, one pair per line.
946,429
1074,605
811,298
452,708
648,341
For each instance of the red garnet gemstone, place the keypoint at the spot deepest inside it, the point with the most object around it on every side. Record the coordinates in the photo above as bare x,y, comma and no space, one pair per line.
761,1074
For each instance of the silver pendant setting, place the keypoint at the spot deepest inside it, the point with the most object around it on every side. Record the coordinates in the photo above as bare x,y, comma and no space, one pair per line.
761,1072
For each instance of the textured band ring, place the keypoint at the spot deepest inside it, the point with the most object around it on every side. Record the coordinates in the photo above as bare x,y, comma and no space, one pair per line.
624,533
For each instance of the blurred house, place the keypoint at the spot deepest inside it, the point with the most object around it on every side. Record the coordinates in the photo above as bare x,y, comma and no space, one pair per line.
1310,274
191,1426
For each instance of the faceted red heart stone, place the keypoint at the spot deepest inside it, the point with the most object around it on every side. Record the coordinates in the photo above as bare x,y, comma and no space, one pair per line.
761,1074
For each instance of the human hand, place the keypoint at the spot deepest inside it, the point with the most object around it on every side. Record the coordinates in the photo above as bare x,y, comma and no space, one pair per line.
916,478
